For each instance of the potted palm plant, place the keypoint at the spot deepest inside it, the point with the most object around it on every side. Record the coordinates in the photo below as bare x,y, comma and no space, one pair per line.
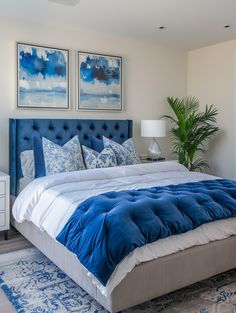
190,130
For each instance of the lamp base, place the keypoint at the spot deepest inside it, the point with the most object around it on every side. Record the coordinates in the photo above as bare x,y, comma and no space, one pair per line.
154,150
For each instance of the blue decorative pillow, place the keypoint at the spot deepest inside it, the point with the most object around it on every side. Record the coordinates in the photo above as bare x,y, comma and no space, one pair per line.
125,153
96,143
62,159
93,159
39,164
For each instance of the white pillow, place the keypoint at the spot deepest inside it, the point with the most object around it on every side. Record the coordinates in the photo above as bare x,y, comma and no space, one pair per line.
23,182
27,163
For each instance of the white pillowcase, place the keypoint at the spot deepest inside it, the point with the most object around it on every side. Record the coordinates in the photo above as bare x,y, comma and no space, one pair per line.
23,182
27,163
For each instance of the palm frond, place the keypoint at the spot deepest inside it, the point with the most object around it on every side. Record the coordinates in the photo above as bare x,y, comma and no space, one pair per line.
208,116
191,104
170,118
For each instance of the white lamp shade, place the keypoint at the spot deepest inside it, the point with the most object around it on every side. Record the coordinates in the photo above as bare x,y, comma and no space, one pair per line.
153,128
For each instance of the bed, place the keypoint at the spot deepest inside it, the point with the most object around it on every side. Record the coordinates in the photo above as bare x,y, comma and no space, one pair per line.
147,280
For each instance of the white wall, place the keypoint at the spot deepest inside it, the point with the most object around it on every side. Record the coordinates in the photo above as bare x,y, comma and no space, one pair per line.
211,78
151,73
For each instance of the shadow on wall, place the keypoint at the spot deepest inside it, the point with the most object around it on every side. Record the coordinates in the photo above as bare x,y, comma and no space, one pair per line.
212,150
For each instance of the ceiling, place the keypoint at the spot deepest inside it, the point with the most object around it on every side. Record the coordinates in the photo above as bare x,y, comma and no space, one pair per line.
190,24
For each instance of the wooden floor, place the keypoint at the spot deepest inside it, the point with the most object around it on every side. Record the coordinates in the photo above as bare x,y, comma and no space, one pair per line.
15,242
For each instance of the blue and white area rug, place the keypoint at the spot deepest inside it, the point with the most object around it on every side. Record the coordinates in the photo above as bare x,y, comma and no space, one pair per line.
35,285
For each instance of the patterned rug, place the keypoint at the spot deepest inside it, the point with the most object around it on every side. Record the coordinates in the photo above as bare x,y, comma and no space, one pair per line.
34,284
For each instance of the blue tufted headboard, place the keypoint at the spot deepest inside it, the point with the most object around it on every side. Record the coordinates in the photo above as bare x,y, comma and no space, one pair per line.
60,131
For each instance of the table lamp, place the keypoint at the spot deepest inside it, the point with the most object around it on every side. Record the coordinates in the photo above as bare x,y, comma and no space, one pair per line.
153,128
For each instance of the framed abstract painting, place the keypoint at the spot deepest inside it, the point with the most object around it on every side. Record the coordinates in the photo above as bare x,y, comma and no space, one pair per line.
99,82
42,77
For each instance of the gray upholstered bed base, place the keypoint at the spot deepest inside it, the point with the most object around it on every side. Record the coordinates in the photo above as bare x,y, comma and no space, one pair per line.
147,280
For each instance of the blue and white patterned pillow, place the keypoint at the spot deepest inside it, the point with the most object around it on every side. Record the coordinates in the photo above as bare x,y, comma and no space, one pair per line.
94,159
125,154
59,159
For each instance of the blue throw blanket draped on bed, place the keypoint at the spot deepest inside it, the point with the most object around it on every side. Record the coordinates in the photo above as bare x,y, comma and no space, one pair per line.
106,228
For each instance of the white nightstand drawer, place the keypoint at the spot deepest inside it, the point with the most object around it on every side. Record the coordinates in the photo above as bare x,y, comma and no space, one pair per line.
2,187
2,203
2,219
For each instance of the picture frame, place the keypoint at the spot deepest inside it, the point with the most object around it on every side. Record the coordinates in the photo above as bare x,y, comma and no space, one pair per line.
99,82
42,77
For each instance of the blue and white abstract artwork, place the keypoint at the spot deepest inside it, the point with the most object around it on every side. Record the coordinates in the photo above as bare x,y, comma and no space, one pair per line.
100,82
43,80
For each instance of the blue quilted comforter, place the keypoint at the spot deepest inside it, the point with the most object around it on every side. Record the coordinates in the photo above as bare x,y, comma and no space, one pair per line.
106,228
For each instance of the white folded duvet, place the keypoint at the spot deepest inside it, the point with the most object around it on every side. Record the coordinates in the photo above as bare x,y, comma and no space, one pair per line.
48,202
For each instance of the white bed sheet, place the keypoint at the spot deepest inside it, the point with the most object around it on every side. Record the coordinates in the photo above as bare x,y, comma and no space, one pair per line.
23,182
48,202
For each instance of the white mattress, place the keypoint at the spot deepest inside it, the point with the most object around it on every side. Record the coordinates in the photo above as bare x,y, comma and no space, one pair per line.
49,202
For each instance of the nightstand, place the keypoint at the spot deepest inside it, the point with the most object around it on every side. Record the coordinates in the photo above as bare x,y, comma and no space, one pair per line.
147,160
4,204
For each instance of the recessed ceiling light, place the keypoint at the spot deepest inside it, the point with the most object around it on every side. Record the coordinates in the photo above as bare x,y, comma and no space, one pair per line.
70,3
162,27
227,26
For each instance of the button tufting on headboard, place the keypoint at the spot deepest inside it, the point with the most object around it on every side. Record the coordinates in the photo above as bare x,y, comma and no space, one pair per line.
22,132
104,127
